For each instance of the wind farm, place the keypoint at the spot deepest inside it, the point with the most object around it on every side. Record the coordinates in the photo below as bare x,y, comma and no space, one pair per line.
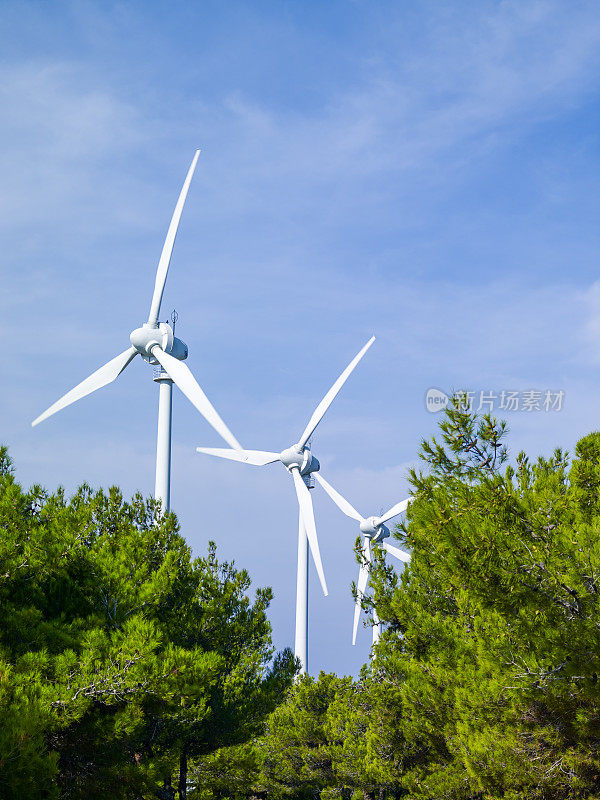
353,244
156,343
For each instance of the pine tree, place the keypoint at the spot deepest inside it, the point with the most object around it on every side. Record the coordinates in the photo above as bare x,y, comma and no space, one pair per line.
493,640
294,752
121,657
324,742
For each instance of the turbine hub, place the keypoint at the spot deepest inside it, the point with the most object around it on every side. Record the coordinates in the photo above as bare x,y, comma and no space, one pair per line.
373,531
149,336
302,458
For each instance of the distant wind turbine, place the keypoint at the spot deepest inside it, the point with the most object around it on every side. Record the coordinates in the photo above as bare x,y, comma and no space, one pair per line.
300,462
157,344
374,530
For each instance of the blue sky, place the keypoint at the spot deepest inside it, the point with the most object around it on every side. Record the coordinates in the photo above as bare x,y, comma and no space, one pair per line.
426,172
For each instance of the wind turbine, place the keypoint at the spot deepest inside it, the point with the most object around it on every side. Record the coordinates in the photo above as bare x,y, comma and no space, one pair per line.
301,464
374,530
157,344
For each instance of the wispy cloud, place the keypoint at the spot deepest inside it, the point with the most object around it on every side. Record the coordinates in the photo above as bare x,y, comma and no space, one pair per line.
468,90
57,134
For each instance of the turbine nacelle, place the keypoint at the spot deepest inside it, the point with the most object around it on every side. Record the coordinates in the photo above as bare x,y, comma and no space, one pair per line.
300,457
147,337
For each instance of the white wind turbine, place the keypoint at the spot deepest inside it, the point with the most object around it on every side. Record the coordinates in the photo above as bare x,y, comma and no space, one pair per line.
157,345
374,530
300,462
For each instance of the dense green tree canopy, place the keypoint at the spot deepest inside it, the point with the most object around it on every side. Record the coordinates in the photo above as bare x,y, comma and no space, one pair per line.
121,657
493,642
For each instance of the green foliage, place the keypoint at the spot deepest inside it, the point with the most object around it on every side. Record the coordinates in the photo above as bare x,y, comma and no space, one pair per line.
493,644
295,758
325,741
121,657
227,774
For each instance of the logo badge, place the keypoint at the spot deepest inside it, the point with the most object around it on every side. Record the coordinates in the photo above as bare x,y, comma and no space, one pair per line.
436,400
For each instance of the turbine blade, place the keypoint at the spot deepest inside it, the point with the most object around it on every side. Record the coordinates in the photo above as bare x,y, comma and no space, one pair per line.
165,256
96,380
395,551
256,457
181,375
394,511
308,518
361,584
331,395
337,498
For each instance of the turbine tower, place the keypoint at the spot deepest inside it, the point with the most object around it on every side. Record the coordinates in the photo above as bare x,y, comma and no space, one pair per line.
373,530
301,464
157,344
